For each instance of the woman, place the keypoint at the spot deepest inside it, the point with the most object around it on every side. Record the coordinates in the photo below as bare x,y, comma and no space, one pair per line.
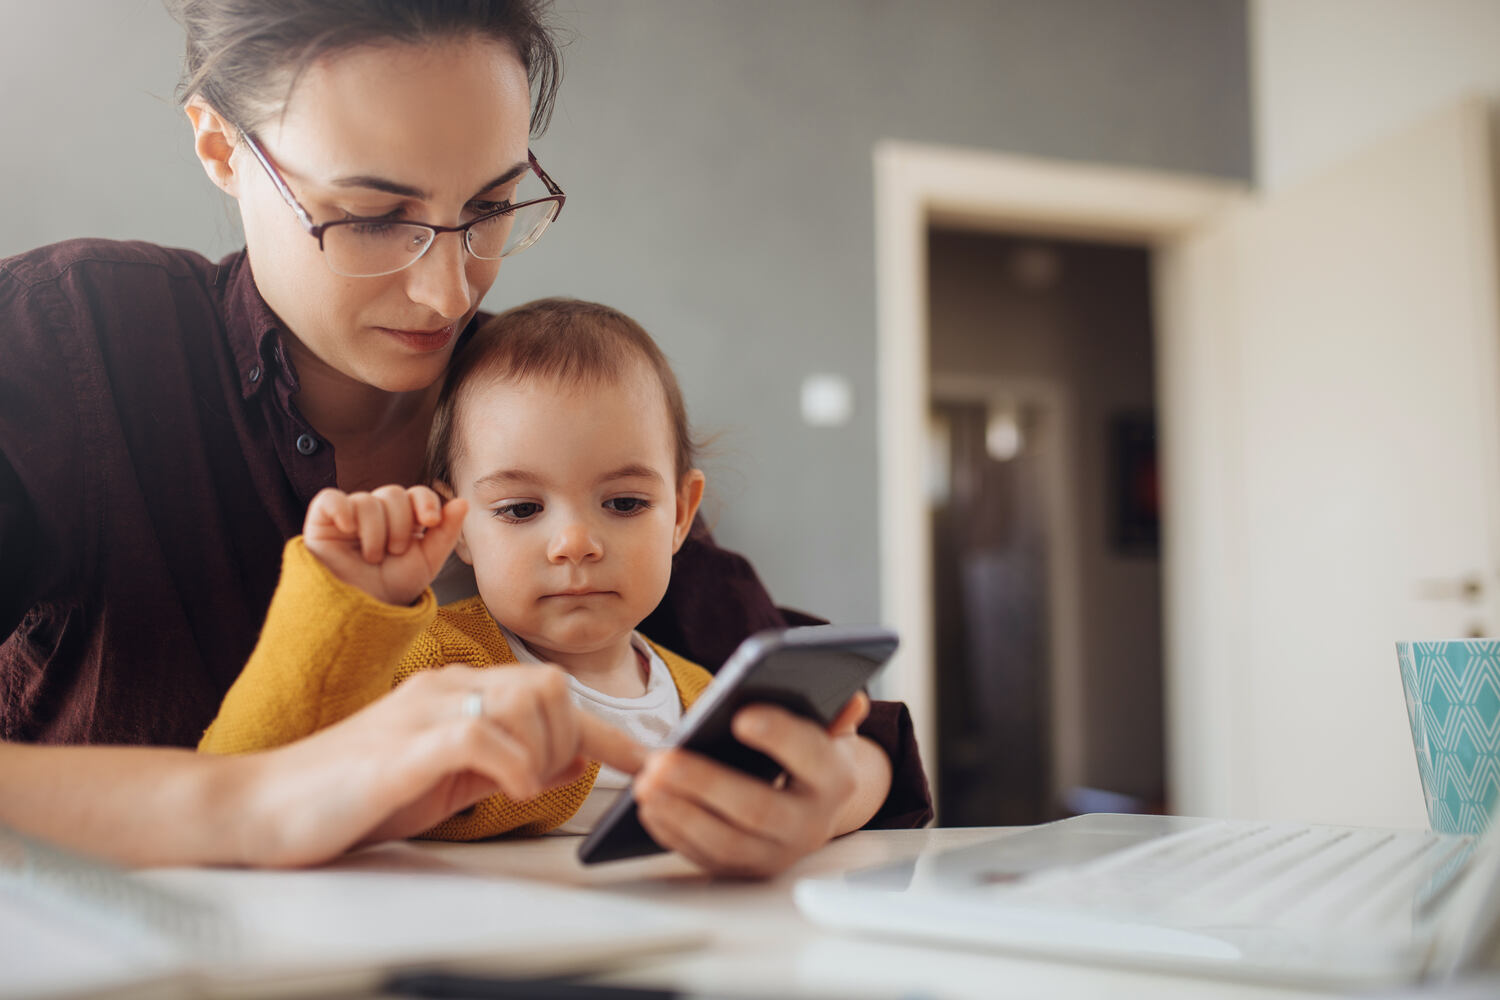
164,421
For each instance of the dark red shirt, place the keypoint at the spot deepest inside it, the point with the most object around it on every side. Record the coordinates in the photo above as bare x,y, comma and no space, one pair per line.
152,463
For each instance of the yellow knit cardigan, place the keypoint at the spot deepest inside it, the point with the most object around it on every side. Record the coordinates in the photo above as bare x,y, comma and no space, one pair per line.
328,649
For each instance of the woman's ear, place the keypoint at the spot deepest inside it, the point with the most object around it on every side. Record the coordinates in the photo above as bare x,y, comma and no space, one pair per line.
689,496
214,140
460,547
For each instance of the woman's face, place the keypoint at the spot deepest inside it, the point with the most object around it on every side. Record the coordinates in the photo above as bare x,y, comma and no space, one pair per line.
427,133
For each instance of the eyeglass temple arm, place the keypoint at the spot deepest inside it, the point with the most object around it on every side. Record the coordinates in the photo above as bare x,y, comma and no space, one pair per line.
276,179
551,185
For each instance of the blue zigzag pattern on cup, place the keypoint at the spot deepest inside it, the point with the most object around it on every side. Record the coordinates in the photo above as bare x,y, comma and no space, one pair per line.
1453,704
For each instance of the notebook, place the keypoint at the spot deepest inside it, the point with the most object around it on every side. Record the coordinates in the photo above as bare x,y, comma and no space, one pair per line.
72,926
1284,903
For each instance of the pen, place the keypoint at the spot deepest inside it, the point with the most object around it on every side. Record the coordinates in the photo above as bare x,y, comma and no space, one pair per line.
456,986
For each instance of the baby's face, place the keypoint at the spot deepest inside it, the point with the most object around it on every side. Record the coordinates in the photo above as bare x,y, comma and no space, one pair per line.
574,508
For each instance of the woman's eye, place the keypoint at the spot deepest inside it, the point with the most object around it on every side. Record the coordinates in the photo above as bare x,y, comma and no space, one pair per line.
519,511
627,505
372,223
486,207
371,228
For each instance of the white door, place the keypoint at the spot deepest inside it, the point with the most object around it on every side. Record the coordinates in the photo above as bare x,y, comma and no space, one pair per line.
1332,446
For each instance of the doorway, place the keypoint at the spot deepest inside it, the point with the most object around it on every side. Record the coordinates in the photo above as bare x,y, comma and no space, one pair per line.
921,188
1326,354
1045,528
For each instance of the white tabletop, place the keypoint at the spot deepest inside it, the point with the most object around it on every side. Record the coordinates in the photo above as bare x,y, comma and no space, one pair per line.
762,947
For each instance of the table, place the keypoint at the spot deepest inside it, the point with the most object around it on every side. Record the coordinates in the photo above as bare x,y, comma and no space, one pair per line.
762,947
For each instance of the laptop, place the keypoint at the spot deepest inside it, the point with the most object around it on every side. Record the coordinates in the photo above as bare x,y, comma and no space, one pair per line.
1283,903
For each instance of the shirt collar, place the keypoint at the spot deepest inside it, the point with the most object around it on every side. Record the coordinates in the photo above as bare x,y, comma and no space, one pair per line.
253,330
658,675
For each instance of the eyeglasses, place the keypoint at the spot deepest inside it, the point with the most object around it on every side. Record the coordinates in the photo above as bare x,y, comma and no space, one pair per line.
369,248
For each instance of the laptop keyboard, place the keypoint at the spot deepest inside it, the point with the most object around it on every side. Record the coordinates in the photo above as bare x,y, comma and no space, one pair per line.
1259,874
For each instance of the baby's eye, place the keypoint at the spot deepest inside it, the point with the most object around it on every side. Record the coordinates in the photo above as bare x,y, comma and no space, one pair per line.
519,510
627,505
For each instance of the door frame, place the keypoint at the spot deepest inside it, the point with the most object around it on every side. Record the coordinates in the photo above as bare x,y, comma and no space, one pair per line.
918,186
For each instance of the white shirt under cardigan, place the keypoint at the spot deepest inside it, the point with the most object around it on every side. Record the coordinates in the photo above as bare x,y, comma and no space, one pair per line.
648,718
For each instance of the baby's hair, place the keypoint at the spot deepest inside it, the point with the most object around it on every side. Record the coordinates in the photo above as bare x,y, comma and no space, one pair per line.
562,340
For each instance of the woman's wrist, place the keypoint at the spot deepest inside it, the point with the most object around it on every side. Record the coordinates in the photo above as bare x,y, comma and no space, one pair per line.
872,783
234,811
207,803
278,808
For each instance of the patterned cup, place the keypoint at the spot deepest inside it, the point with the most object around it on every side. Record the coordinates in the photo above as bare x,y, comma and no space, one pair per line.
1453,701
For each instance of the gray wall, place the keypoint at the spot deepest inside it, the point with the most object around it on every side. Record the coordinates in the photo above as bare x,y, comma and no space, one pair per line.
717,157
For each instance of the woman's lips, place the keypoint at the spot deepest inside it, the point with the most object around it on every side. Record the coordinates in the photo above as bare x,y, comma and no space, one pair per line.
424,340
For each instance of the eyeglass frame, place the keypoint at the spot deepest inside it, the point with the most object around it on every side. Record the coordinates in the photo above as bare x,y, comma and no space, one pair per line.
317,229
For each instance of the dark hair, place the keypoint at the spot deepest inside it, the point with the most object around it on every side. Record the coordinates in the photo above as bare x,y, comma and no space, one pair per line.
239,50
563,340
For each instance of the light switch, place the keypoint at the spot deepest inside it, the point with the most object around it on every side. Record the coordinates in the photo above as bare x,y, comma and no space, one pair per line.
827,400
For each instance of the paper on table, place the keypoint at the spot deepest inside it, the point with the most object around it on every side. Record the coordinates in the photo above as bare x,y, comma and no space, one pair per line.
228,931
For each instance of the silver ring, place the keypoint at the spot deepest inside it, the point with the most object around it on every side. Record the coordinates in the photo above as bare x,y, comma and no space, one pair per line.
473,705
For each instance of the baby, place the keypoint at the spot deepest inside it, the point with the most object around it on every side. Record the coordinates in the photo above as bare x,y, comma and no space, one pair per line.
562,453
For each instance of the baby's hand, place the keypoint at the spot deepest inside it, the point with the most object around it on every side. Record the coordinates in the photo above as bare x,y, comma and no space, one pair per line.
389,543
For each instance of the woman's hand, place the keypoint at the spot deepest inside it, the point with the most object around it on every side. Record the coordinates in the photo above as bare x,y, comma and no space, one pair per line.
419,755
732,824
390,543
392,769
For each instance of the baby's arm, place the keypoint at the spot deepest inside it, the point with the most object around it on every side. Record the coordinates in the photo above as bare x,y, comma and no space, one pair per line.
326,650
341,616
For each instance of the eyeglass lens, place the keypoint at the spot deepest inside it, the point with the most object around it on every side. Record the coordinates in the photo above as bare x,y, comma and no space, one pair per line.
368,249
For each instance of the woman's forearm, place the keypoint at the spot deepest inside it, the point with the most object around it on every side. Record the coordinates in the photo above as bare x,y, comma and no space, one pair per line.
133,805
393,769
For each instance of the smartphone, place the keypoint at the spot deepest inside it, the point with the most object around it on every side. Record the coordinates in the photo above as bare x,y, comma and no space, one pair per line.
810,671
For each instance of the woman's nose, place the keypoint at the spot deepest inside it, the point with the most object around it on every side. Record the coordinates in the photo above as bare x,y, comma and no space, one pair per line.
575,543
440,280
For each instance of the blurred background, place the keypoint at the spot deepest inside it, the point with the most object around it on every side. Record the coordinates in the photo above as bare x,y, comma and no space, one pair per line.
1021,325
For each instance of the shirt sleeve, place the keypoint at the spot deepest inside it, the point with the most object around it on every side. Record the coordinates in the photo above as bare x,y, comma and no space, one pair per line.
908,805
18,532
327,650
715,600
45,474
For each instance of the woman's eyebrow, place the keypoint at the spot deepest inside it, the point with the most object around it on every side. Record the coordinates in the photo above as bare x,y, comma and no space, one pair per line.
400,190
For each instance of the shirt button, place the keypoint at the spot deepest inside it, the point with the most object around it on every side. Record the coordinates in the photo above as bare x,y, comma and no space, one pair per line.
307,444
254,373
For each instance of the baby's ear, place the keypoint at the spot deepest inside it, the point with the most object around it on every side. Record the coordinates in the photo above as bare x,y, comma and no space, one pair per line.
689,496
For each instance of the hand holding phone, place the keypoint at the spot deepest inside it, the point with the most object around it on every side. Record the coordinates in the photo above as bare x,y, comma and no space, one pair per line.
811,672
